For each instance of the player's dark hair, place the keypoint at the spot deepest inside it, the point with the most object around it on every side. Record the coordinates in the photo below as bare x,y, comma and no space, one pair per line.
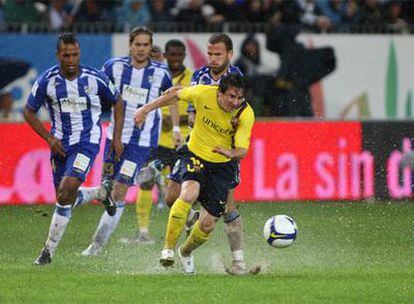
220,37
138,31
66,38
174,43
232,80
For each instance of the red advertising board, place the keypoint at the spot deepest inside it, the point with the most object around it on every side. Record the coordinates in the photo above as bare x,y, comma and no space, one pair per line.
286,161
303,160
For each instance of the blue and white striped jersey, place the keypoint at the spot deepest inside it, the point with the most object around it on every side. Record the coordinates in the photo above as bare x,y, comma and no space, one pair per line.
138,87
203,76
74,105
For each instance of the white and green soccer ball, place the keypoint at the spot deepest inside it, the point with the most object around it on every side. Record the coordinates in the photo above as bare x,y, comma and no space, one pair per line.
280,231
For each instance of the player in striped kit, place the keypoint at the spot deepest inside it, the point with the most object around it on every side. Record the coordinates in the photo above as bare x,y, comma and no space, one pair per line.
219,52
139,80
73,94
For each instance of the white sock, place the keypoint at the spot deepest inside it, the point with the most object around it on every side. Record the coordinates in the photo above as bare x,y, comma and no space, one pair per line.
107,225
238,255
86,195
60,220
190,215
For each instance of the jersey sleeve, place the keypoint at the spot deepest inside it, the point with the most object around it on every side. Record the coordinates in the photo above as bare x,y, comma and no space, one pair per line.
189,94
107,70
107,90
37,96
244,129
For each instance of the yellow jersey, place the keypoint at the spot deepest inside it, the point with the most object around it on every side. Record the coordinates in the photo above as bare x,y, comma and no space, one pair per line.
165,139
213,126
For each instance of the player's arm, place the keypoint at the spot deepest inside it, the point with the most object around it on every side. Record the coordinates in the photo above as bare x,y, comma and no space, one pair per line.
167,98
175,117
241,138
34,122
118,125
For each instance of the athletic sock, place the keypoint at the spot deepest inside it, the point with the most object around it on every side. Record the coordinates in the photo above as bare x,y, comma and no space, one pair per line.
196,238
86,195
58,225
107,225
143,209
176,221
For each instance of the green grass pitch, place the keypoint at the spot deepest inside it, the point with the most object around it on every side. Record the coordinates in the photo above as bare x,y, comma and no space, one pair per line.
345,253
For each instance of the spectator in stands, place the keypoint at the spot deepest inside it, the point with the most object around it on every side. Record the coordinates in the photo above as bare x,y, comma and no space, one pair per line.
393,17
226,11
89,11
160,12
371,16
339,11
253,11
279,11
311,16
60,16
134,13
249,59
194,12
20,11
260,77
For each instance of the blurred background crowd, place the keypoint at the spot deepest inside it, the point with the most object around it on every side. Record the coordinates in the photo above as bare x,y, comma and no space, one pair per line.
359,16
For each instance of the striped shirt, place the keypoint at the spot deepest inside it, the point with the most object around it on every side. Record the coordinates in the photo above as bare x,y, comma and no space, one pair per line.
138,87
74,105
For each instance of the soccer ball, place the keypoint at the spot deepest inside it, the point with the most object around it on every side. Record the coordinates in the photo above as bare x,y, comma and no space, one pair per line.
280,231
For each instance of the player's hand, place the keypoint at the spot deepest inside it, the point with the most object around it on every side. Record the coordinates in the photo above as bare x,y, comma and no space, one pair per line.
139,117
177,138
56,146
223,151
117,147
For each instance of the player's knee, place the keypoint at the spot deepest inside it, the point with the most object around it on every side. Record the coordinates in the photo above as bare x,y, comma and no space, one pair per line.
66,196
206,226
147,185
231,216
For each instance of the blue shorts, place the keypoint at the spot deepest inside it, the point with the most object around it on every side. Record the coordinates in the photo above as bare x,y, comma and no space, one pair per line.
77,163
126,170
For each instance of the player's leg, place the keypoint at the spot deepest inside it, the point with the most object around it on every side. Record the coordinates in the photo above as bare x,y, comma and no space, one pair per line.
234,231
125,172
200,234
173,192
108,223
68,175
103,191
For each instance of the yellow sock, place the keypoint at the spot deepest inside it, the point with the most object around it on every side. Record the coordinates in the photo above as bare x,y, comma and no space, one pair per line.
176,222
143,208
195,239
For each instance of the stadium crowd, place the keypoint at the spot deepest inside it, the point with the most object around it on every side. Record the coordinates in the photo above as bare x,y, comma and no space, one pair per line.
373,16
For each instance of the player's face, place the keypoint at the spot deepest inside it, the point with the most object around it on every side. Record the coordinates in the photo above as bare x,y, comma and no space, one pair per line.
218,57
175,57
68,57
231,99
140,49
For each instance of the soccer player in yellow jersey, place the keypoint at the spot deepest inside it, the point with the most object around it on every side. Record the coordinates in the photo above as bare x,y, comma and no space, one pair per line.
221,133
166,154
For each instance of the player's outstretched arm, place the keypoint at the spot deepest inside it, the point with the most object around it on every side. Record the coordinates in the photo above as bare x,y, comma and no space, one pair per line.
34,122
169,97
